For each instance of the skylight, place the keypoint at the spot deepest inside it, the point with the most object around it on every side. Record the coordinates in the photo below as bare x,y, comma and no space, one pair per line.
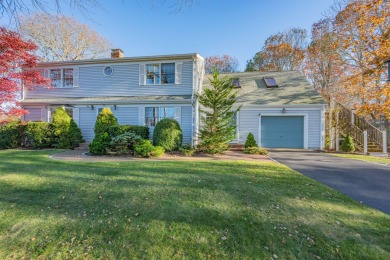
270,82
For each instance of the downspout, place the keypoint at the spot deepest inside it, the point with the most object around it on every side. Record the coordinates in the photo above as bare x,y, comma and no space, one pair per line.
194,118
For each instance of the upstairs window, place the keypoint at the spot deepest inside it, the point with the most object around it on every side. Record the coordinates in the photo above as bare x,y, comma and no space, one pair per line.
61,78
161,73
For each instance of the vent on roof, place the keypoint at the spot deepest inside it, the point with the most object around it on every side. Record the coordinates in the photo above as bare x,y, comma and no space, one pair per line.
270,82
236,82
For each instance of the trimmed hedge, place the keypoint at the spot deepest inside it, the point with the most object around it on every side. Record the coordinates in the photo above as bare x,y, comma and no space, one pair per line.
37,135
11,135
142,131
168,134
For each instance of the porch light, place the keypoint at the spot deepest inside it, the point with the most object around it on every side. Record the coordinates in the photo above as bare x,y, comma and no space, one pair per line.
92,107
284,111
114,107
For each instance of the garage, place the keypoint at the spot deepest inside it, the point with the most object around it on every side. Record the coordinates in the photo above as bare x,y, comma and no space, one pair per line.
282,131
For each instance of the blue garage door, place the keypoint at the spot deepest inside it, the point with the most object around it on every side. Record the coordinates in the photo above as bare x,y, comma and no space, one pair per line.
282,131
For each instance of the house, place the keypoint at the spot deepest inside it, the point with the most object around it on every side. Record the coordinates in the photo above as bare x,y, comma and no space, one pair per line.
139,91
280,108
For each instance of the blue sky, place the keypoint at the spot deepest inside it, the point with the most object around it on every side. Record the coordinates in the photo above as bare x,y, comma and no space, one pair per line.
210,27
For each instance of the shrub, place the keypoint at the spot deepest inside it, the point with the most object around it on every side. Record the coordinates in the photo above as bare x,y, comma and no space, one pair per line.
124,144
37,135
11,135
60,124
211,147
104,120
146,149
347,145
250,141
186,150
168,134
142,131
255,150
99,144
75,134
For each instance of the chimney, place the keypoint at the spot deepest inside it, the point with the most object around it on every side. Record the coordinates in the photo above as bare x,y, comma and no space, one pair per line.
116,53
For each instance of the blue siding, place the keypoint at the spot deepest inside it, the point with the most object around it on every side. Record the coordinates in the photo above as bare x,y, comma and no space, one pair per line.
33,115
123,82
186,124
249,122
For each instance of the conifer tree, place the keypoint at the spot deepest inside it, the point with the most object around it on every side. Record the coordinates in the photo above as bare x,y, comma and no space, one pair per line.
217,115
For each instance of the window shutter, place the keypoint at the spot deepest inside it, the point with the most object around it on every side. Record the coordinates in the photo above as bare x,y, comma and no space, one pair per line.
43,114
142,74
141,116
178,114
178,72
76,77
76,115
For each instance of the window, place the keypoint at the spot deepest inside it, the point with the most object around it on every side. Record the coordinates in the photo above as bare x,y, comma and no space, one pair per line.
108,70
155,114
68,110
62,78
151,116
168,73
163,73
152,74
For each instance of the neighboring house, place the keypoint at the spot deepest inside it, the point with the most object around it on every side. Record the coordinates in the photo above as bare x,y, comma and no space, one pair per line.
142,90
281,109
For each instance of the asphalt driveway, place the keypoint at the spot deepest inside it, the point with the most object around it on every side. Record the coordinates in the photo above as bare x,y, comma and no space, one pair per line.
366,182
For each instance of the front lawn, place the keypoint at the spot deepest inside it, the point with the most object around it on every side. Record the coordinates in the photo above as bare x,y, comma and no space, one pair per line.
177,209
365,158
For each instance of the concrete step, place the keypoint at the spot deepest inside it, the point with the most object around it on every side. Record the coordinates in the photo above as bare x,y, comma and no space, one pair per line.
379,154
83,146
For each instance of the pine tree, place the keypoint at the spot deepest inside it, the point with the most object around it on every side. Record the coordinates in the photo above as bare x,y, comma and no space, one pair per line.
218,114
250,141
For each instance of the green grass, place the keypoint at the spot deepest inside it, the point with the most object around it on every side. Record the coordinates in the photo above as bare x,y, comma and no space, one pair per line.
177,210
365,158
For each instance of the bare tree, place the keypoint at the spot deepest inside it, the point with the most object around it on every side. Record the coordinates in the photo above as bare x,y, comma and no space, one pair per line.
14,8
63,38
223,64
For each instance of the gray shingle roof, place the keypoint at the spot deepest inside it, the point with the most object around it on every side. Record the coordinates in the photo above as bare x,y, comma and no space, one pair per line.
293,89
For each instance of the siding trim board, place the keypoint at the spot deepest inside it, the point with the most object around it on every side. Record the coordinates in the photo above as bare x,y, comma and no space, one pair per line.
305,125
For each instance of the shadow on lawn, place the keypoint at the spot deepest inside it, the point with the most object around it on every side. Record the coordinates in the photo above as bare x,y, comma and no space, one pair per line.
248,200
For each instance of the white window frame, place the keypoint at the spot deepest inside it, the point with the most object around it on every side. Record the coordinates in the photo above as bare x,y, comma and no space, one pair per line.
177,76
62,80
159,113
159,72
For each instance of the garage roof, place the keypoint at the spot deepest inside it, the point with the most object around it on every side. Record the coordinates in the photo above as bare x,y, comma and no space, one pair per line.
293,88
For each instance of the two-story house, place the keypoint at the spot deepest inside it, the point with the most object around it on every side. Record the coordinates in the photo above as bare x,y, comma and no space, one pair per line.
139,91
281,109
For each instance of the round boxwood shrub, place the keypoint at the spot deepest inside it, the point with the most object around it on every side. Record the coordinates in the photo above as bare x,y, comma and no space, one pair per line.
347,145
104,120
168,134
250,141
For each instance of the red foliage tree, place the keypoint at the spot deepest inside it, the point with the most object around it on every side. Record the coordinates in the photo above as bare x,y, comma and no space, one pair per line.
17,63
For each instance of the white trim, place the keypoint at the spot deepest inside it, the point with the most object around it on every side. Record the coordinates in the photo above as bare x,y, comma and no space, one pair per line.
280,107
305,126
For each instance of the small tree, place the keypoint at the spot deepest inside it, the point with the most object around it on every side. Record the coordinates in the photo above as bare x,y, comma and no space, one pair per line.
347,145
75,134
250,141
102,139
217,117
104,120
61,123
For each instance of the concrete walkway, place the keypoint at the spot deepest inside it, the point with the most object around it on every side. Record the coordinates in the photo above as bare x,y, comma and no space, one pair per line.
81,155
366,182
